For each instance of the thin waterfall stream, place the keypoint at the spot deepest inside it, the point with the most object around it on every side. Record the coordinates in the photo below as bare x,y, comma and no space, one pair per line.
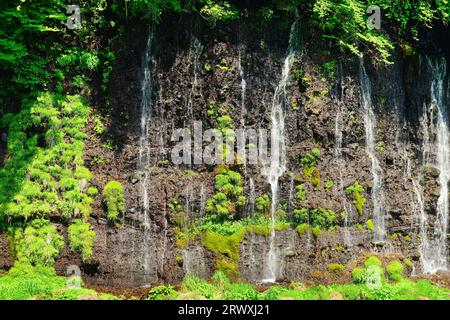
433,249
278,153
144,149
370,125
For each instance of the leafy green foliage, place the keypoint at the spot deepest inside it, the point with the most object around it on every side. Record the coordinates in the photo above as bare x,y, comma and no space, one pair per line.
300,194
308,163
198,286
263,204
114,199
44,172
162,293
240,291
38,244
215,11
317,217
358,275
81,238
395,270
335,268
344,21
228,196
25,282
358,199
372,261
369,224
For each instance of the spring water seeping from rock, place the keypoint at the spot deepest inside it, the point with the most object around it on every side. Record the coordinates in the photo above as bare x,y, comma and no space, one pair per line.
370,125
278,153
144,153
338,138
243,89
433,249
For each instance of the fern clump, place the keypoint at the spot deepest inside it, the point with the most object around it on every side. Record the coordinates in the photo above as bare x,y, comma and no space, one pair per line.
113,196
358,199
81,238
228,197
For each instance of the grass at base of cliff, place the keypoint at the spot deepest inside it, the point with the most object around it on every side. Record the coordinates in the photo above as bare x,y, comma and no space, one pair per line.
24,282
405,289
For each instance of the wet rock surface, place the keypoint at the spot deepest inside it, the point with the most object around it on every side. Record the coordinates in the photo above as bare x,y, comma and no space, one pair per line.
184,87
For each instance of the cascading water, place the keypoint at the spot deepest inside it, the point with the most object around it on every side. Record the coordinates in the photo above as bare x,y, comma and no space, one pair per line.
338,136
144,149
370,125
434,252
243,90
202,200
194,56
278,160
251,198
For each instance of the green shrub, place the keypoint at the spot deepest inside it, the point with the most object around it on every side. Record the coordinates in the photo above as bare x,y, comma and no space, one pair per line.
301,216
240,291
408,263
374,275
25,281
220,279
219,11
162,293
199,286
395,270
372,261
49,177
228,247
358,275
274,292
300,194
228,197
369,224
302,228
92,191
358,199
335,268
81,238
38,244
114,198
263,204
308,163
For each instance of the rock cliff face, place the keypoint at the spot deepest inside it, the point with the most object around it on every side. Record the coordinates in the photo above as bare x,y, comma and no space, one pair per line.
237,67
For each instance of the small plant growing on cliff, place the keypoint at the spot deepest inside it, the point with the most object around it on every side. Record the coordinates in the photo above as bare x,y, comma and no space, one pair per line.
263,204
308,163
229,195
358,199
300,194
114,199
179,217
358,275
38,244
372,261
369,224
301,216
408,263
395,270
329,184
81,238
335,268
